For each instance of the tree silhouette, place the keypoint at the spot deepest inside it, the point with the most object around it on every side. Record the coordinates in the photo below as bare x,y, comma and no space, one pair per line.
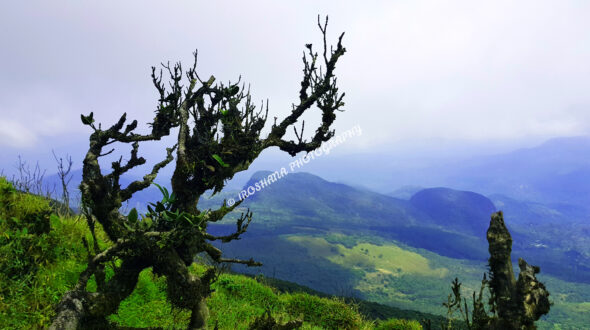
219,134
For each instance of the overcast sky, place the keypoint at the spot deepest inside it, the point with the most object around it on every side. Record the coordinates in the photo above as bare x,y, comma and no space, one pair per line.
415,71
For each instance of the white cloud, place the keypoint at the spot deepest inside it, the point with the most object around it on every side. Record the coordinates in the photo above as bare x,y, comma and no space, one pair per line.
414,69
14,134
30,115
473,70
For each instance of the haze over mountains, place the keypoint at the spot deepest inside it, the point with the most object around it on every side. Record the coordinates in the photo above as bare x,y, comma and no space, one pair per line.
448,222
555,173
344,240
368,237
544,191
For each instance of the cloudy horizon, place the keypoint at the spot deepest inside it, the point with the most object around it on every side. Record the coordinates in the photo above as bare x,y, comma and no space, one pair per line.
505,74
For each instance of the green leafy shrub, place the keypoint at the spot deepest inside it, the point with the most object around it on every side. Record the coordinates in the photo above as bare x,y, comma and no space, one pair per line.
41,257
328,313
19,210
25,242
395,324
268,322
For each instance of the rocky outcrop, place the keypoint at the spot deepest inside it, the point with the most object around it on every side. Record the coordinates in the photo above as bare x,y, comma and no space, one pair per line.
517,303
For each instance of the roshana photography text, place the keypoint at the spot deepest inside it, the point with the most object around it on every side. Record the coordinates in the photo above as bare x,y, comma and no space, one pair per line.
298,163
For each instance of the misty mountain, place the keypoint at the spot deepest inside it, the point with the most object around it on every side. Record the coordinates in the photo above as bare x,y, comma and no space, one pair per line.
303,198
312,200
557,171
463,211
445,221
405,192
448,222
543,191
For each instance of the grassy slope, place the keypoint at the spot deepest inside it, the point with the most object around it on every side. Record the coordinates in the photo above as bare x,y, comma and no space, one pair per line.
37,268
403,276
236,303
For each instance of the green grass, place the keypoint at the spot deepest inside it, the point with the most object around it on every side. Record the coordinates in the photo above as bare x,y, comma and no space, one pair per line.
41,256
236,302
391,273
38,266
398,325
394,274
386,259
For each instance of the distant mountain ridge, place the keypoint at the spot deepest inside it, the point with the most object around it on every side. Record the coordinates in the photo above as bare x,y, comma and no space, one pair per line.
318,200
446,207
339,239
557,171
454,209
544,192
446,221
306,200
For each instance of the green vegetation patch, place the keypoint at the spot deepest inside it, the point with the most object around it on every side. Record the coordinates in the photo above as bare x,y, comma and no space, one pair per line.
54,259
386,259
395,324
41,257
236,302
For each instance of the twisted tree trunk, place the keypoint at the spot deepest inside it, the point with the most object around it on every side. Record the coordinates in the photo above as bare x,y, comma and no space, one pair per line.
82,309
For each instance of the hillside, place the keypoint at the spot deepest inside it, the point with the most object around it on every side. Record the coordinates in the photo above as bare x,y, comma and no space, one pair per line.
406,259
42,254
305,200
447,222
556,171
342,240
463,211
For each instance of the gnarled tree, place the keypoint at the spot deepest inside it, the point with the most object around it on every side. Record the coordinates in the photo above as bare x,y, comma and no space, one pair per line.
219,134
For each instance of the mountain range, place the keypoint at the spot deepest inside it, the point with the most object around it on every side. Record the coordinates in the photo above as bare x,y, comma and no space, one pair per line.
404,247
